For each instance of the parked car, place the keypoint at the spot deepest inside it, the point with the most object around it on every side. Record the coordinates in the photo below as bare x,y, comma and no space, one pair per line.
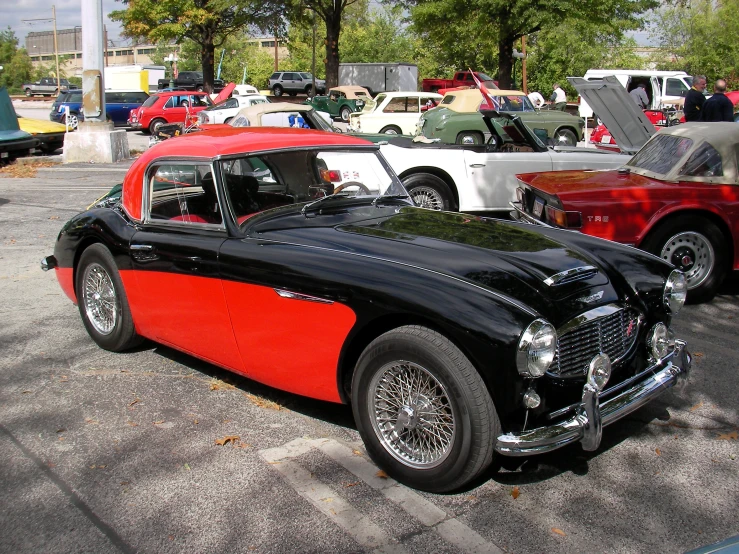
48,86
460,79
167,107
189,80
294,82
394,113
224,112
477,178
457,118
118,105
14,143
455,339
341,101
242,90
49,134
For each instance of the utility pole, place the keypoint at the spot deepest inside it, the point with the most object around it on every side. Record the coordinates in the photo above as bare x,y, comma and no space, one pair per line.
56,51
313,67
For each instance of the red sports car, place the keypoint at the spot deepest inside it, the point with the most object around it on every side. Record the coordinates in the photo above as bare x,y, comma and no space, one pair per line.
678,198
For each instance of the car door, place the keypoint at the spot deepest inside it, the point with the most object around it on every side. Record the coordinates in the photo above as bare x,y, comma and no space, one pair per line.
175,108
175,261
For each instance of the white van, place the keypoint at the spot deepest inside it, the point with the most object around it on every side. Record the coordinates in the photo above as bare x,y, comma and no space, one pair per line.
664,88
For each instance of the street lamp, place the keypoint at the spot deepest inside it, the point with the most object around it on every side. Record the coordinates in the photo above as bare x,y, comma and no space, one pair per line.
172,59
516,56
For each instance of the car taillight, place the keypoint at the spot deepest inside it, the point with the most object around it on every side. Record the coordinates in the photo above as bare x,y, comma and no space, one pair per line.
561,218
331,175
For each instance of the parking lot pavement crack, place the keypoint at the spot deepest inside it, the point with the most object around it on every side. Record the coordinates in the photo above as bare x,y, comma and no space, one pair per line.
72,496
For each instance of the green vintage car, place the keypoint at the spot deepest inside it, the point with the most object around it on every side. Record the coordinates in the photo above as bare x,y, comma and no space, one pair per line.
456,120
341,101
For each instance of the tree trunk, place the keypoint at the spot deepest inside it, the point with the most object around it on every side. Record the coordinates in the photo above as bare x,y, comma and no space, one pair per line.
333,29
505,61
207,53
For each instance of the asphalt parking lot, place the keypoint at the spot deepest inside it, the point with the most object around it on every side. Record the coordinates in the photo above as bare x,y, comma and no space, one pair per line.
104,452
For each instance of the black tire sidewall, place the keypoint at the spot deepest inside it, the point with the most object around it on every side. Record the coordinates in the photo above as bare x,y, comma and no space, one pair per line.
389,348
277,90
123,333
668,229
434,182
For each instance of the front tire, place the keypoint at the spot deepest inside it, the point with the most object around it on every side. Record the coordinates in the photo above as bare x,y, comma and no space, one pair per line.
391,130
696,246
28,92
345,113
102,301
423,411
429,191
564,137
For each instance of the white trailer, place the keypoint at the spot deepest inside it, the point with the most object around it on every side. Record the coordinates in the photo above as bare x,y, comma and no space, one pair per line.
380,77
134,77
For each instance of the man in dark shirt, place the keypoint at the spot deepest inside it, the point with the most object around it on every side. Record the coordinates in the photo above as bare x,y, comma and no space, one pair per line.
694,99
718,107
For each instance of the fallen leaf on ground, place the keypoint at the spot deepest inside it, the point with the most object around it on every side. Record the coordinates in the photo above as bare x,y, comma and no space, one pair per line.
329,499
559,532
61,438
135,401
356,453
728,436
194,421
658,451
262,402
698,354
187,467
381,474
61,430
217,384
354,484
23,170
26,391
91,421
515,492
132,424
698,405
228,438
159,422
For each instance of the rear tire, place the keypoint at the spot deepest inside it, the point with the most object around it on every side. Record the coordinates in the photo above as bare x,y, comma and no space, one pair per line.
154,125
28,92
227,120
429,191
470,137
423,410
102,301
277,90
391,130
697,247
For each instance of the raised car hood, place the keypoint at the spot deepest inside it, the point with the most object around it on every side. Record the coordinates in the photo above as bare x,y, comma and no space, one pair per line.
622,117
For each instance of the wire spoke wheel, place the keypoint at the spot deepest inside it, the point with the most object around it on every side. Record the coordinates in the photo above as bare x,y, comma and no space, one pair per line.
427,197
99,297
413,416
693,254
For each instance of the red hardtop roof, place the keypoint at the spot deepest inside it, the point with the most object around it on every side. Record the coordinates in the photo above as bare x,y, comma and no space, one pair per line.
224,141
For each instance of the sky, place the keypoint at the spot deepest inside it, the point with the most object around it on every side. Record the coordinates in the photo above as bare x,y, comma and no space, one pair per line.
68,15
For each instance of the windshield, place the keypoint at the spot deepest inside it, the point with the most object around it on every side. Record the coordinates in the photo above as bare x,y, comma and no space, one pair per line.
484,77
661,153
515,103
255,183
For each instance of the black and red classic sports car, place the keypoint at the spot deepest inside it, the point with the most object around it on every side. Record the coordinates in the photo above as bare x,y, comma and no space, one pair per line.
297,259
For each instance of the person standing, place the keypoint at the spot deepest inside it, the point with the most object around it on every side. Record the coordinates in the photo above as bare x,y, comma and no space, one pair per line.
695,99
718,107
558,98
536,99
639,94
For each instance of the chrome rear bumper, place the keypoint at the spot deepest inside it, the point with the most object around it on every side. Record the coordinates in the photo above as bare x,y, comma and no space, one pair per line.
587,424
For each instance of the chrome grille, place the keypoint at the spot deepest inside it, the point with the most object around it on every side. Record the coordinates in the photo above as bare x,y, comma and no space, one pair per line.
613,334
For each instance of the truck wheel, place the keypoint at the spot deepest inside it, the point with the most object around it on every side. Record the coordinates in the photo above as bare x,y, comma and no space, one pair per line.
423,410
470,137
277,90
564,137
391,130
155,124
28,92
695,246
345,113
429,191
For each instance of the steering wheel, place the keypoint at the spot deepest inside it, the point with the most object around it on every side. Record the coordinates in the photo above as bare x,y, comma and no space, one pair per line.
362,188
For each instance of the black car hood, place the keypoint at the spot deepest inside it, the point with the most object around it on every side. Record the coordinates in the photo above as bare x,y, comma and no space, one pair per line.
511,258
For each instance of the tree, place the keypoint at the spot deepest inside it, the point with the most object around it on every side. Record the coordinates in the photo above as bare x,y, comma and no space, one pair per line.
207,23
17,67
503,22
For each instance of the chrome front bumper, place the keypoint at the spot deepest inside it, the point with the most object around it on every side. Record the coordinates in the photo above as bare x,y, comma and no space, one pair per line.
587,424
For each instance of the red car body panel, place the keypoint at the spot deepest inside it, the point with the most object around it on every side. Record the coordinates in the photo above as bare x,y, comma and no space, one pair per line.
65,276
224,141
145,115
601,136
626,207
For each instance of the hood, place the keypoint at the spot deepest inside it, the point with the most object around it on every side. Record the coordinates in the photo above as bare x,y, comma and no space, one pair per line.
511,258
593,183
38,126
225,93
622,117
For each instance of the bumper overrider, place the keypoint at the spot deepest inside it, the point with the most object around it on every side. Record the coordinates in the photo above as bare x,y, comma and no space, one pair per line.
586,426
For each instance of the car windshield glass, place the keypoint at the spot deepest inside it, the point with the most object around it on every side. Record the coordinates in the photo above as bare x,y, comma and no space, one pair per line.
704,162
257,183
150,101
515,104
484,77
661,153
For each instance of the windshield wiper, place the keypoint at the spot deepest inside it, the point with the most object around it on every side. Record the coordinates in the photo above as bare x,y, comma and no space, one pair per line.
311,205
390,197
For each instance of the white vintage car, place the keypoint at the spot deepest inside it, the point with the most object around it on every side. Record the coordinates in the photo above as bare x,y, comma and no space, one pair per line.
225,111
393,113
478,178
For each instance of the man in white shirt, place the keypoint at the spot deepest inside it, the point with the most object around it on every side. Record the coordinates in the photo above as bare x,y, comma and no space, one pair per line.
536,99
558,98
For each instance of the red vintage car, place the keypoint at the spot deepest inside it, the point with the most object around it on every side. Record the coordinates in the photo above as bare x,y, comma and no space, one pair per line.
168,107
678,198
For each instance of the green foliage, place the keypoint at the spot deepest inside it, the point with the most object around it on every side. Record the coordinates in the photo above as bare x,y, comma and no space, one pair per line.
573,47
703,42
17,67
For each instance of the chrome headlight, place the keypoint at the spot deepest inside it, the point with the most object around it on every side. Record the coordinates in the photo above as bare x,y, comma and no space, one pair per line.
536,349
660,341
676,290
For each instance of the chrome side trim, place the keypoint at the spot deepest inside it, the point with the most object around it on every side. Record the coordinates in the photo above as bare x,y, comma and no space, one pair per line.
297,296
522,216
585,426
571,274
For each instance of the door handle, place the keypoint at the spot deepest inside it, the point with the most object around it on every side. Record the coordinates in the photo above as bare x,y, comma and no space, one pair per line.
142,247
477,165
143,253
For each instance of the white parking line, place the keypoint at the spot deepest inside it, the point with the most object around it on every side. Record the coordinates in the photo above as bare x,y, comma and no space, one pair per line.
359,527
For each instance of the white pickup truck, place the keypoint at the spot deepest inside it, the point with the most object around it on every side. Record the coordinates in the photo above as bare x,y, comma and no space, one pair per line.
48,87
